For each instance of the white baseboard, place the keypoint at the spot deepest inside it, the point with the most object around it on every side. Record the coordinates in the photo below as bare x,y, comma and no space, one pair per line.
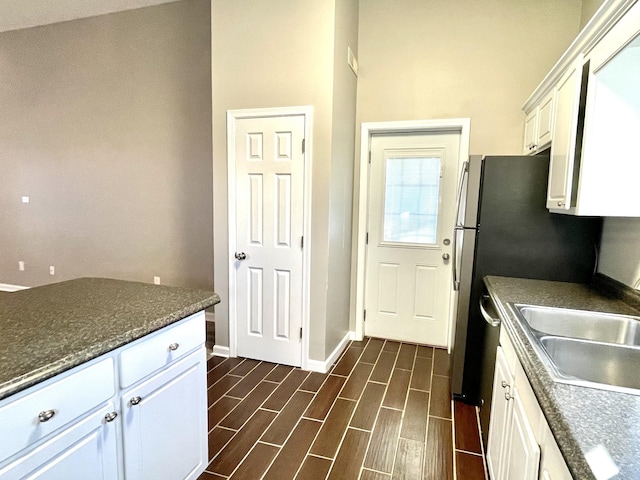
220,351
323,367
5,287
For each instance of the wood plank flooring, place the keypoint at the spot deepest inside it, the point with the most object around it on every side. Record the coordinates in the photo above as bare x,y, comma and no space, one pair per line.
383,412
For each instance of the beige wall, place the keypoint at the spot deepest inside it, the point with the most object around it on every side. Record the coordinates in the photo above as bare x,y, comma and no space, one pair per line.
589,7
430,59
105,123
274,53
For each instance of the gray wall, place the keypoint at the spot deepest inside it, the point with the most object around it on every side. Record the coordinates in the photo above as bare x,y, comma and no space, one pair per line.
105,123
342,165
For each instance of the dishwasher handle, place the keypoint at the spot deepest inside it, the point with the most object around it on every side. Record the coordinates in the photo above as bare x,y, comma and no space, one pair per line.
494,322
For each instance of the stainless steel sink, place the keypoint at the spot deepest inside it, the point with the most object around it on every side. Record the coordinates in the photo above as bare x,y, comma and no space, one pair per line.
592,349
600,327
588,363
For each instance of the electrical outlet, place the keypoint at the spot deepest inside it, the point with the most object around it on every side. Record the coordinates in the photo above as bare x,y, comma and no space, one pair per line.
21,266
52,270
25,199
156,280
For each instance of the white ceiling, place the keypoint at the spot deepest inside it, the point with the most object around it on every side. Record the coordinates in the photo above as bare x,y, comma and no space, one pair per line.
16,14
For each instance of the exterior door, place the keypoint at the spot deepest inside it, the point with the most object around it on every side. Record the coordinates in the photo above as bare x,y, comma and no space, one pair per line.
269,189
412,189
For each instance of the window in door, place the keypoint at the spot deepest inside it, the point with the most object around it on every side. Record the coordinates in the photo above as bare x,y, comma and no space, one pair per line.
412,199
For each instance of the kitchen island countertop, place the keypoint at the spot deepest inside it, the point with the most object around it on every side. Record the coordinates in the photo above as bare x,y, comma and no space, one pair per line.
585,421
50,329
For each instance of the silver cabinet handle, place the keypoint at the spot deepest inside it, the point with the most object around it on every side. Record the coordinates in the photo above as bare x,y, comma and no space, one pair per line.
240,256
135,400
174,346
111,416
46,415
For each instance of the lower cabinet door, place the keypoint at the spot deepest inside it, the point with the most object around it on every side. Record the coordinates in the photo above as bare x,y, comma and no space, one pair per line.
85,450
165,423
500,416
523,452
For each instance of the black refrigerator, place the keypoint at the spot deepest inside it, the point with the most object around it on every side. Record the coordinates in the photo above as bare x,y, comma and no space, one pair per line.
503,228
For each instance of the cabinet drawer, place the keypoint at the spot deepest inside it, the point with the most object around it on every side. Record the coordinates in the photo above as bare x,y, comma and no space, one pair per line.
160,349
25,420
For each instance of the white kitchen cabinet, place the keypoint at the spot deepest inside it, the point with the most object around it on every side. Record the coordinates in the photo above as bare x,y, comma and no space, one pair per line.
512,451
501,416
520,444
610,165
522,455
85,450
595,117
538,125
82,424
566,145
165,423
552,464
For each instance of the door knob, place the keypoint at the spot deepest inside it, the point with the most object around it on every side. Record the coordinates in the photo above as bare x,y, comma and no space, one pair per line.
445,256
240,256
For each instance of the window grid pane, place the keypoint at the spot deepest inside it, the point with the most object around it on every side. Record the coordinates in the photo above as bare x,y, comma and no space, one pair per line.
412,197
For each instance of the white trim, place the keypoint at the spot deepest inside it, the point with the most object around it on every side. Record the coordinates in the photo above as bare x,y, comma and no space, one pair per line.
602,21
6,287
323,367
232,117
462,125
220,351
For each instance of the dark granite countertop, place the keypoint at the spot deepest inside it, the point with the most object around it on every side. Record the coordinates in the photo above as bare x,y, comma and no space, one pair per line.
585,421
47,330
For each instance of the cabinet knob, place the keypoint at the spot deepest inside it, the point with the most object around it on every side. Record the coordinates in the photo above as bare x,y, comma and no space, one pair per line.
508,396
560,204
46,415
504,384
111,416
174,346
135,400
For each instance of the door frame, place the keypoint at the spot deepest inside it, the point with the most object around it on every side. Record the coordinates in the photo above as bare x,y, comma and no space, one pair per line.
458,125
232,117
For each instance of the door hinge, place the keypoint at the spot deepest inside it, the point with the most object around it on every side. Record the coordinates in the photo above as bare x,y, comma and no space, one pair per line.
300,333
369,157
303,145
301,242
365,315
366,239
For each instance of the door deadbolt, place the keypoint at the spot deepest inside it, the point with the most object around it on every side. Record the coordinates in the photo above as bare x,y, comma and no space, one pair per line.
445,256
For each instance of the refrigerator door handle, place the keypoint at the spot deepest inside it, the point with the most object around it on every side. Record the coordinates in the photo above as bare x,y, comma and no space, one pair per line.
463,175
454,260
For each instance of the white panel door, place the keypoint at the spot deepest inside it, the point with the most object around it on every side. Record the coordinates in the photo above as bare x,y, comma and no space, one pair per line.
269,227
412,189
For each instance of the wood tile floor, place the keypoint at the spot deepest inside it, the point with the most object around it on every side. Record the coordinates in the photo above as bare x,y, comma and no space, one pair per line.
382,412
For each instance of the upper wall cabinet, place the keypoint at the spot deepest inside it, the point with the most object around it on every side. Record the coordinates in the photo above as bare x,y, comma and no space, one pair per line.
538,125
594,117
565,149
610,152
